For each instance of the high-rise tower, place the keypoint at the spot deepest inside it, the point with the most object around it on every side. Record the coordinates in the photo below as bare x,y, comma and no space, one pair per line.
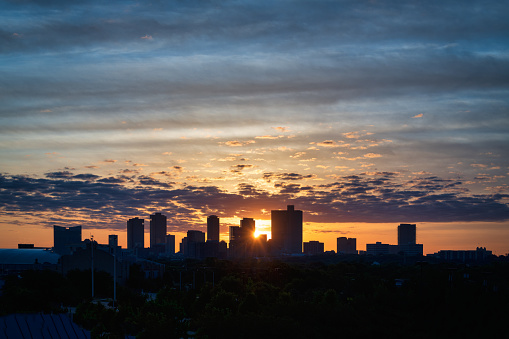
213,228
135,233
406,234
286,229
157,230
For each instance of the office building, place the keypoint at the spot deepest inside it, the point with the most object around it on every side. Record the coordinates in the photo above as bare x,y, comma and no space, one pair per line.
381,249
157,230
407,240
286,228
192,245
406,234
64,237
170,244
213,228
346,245
135,233
247,228
313,247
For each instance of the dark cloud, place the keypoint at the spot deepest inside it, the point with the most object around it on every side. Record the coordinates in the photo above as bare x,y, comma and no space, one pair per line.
355,198
286,176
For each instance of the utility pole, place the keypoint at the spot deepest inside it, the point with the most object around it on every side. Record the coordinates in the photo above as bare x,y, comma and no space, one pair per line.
92,266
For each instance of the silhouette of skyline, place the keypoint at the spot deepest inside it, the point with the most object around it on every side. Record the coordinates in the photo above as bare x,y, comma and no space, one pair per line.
360,120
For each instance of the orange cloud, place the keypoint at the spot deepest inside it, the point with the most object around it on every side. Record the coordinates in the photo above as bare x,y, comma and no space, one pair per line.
236,143
420,115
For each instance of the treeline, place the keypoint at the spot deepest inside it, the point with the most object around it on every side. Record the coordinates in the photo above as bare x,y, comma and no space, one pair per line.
273,299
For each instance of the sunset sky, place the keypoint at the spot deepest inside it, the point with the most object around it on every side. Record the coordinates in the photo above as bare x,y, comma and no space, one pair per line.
363,114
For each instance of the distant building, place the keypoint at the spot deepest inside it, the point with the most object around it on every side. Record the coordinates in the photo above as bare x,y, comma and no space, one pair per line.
406,234
242,240
157,230
135,233
286,229
213,228
170,244
234,233
380,249
64,238
190,246
346,245
407,240
313,247
103,260
113,240
479,254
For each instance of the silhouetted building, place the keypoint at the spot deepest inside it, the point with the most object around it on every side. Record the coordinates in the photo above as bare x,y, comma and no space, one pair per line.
113,240
64,237
157,230
286,228
313,247
480,254
191,247
81,259
346,245
380,249
170,244
213,228
407,240
406,234
234,233
247,228
411,250
135,233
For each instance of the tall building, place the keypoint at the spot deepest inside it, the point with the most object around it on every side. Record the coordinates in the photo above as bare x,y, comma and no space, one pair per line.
407,243
157,230
170,244
213,228
286,229
135,233
234,233
247,228
63,237
346,245
192,245
406,234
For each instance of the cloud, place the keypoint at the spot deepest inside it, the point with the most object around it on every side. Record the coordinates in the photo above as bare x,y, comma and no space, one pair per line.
269,176
372,155
420,115
282,129
147,37
236,143
239,168
365,197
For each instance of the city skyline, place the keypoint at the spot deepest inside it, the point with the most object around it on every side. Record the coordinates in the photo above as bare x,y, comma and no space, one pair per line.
361,120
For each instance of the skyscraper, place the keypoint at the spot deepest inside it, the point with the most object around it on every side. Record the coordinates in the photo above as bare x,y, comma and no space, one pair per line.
247,228
406,234
213,228
407,242
135,233
65,236
286,229
157,230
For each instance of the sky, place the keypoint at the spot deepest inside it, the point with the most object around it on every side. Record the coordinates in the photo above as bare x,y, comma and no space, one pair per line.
362,114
